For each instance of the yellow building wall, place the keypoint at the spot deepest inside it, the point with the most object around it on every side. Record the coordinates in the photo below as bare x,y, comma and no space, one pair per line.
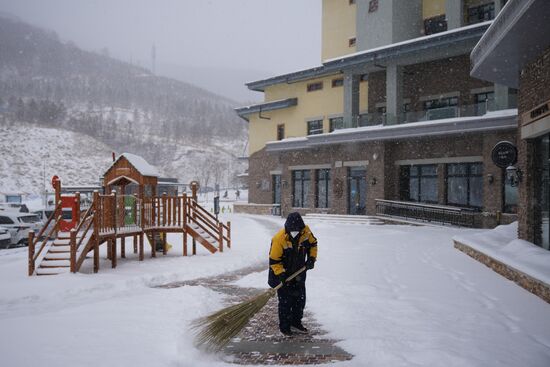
323,104
432,8
338,26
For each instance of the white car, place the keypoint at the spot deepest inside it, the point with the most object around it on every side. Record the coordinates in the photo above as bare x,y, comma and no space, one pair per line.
19,225
5,238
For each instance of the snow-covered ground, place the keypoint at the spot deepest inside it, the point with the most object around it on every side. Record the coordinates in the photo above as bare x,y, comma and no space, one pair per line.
393,295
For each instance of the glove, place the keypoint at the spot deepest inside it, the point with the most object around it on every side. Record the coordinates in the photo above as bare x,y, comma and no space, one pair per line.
282,277
310,263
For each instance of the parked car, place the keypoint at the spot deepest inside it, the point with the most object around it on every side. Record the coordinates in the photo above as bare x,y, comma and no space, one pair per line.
15,207
19,225
5,238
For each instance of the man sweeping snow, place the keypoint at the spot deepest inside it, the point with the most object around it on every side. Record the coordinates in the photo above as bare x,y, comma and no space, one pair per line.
292,248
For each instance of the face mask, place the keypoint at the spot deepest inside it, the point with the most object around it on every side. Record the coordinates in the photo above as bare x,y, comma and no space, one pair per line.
294,234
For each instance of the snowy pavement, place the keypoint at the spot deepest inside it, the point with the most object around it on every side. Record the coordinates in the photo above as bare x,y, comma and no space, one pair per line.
393,296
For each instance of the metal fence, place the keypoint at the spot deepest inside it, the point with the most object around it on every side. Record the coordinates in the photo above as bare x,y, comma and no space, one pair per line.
462,217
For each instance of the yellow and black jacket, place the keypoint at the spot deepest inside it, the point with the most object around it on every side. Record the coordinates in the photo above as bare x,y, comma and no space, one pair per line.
288,256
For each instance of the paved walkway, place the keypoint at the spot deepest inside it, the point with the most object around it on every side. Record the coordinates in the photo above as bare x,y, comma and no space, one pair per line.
260,342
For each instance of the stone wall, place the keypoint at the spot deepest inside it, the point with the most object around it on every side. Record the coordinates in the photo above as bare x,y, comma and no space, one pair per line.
533,91
259,209
535,286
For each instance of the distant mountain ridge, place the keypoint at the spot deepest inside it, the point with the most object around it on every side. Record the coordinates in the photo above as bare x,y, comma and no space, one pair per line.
53,84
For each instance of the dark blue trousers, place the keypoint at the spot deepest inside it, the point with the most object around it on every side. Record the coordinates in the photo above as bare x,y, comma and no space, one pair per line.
292,300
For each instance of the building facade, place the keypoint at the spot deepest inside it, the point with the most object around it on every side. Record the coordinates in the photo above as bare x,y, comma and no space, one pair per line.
524,63
390,122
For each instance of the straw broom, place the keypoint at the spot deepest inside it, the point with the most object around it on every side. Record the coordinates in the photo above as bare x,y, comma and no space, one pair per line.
213,332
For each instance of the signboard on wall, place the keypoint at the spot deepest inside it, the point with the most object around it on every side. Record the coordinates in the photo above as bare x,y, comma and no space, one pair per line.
504,154
536,113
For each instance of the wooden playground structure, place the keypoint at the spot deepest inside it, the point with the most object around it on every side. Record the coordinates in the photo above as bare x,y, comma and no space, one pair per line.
65,242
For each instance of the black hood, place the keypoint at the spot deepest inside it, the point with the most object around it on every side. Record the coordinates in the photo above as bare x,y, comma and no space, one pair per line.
294,222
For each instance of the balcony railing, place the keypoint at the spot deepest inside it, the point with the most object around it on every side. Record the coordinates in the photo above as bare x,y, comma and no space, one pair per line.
469,110
440,214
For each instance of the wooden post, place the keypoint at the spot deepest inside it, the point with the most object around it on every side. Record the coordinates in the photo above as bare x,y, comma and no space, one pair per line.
31,253
113,252
153,212
123,247
135,244
113,240
164,209
57,210
194,247
164,244
184,212
73,250
141,246
77,201
184,243
220,236
153,245
229,234
95,203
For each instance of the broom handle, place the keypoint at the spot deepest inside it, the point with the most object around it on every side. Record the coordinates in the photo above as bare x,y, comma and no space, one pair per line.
290,278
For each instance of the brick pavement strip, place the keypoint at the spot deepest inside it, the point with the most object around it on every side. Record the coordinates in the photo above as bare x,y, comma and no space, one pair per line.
260,342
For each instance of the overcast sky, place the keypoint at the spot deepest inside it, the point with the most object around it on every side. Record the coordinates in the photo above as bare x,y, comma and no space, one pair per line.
272,36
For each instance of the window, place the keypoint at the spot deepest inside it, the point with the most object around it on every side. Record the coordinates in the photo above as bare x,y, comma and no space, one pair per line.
276,189
280,132
435,25
336,123
419,183
312,87
510,197
322,181
6,220
465,184
484,102
337,82
481,13
300,188
315,127
352,42
440,103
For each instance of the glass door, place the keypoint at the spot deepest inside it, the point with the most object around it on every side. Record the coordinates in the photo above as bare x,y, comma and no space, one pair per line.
357,191
276,189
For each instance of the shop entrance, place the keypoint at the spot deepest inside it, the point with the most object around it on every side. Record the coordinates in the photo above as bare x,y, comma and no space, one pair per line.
357,191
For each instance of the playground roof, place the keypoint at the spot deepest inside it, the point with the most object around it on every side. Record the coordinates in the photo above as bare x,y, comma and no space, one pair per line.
140,164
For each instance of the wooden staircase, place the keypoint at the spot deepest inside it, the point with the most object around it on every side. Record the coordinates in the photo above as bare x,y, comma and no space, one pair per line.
202,236
58,256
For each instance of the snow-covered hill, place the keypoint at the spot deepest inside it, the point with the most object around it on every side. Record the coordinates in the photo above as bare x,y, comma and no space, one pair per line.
31,155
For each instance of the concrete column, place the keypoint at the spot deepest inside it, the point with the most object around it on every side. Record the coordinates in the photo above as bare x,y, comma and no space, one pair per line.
454,12
502,100
394,94
351,99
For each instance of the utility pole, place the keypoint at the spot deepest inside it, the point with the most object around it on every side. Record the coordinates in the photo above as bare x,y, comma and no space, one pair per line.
153,59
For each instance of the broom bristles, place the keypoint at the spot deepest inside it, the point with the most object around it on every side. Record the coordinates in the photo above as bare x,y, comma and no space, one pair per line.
213,332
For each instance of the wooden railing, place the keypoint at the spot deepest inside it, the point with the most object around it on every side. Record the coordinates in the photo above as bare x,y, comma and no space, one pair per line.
106,209
209,223
33,240
86,222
